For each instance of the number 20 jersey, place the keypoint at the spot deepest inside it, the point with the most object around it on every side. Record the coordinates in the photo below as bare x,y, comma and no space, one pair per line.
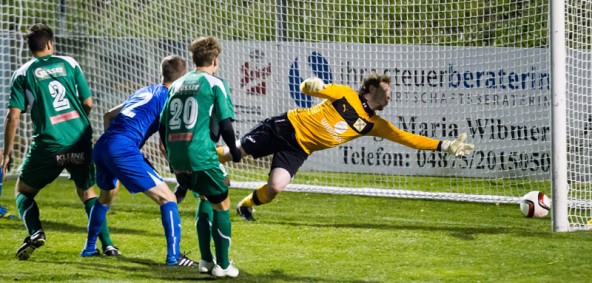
53,87
194,100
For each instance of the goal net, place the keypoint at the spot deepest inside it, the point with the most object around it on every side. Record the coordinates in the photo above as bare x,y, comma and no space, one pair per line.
578,112
475,67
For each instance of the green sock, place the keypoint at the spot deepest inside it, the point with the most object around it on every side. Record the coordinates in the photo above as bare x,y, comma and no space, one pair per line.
221,232
203,224
104,235
29,212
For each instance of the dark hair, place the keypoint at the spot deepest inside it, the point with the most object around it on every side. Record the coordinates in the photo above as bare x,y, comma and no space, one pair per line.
172,67
204,50
38,35
374,79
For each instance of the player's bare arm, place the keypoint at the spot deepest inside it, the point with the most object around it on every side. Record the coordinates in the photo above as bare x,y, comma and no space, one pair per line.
10,126
87,104
109,115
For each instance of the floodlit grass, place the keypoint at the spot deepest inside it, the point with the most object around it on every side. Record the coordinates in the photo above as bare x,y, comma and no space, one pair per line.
307,238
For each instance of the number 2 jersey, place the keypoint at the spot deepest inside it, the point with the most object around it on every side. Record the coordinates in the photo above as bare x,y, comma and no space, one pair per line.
139,115
194,100
53,88
344,116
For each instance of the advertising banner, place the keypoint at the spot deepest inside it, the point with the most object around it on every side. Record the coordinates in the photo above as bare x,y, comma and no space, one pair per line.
500,97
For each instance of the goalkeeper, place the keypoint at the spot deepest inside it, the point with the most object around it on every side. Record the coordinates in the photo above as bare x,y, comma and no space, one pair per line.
293,136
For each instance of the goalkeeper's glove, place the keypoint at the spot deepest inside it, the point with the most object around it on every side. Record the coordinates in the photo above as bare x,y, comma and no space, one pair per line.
458,147
312,85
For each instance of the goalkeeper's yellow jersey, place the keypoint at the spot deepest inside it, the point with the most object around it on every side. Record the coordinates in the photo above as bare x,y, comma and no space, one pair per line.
342,117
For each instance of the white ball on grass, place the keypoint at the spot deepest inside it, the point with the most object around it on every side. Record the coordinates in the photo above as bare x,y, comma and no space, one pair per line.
535,204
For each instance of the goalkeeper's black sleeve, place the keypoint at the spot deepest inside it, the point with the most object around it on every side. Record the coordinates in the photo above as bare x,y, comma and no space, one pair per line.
227,133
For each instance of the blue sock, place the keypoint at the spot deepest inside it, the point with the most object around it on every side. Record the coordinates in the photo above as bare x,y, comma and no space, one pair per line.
171,222
96,218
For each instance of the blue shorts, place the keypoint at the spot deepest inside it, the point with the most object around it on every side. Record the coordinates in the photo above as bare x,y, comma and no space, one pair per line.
117,158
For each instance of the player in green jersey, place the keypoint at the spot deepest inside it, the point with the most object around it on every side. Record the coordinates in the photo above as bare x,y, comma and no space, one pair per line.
199,102
55,92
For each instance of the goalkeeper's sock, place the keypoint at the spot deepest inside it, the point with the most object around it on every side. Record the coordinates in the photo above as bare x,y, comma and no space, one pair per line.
29,212
96,221
203,225
221,232
171,222
104,234
257,197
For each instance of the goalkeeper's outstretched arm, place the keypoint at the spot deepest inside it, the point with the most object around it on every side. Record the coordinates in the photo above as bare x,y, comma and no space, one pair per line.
386,130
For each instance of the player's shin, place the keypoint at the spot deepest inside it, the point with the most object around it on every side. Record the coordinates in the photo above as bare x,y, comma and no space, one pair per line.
29,212
171,222
104,234
257,197
96,222
203,225
221,233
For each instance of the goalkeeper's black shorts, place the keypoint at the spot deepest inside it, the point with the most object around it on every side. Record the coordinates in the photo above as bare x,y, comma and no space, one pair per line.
275,136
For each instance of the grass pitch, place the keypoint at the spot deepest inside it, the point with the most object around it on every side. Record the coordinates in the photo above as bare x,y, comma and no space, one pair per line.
306,238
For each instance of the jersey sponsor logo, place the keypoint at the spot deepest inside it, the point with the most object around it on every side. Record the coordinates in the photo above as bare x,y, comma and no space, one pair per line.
64,117
180,137
189,87
46,72
313,65
360,124
71,158
352,117
332,131
340,127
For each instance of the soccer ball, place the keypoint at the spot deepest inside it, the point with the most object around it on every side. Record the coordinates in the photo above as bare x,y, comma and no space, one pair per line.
535,204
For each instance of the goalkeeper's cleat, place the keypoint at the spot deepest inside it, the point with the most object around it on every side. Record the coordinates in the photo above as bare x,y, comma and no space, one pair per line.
245,212
111,251
3,211
30,244
182,260
230,271
5,214
206,266
180,193
86,253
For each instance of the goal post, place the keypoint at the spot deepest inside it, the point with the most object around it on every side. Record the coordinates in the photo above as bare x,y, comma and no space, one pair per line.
572,118
475,67
559,118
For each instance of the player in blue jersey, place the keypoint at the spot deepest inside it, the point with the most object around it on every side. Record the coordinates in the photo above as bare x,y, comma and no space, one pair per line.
117,156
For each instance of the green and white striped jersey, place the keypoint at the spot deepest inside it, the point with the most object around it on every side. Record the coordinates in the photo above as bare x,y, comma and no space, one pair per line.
194,100
52,88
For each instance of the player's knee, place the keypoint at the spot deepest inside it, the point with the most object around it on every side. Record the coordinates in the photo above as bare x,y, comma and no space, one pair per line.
220,202
106,197
22,188
161,194
274,189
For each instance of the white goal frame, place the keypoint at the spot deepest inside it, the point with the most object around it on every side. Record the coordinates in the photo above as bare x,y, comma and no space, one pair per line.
453,72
